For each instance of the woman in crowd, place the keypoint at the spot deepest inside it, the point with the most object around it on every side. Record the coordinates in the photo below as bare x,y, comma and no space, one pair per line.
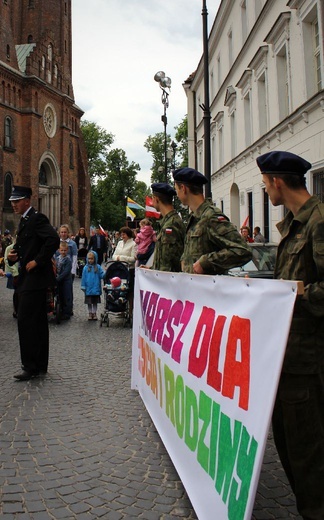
81,239
126,252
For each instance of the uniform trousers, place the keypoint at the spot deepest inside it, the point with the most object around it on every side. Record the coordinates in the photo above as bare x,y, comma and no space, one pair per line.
33,330
298,429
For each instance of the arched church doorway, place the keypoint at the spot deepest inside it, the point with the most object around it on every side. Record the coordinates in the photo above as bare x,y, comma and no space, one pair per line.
49,193
235,205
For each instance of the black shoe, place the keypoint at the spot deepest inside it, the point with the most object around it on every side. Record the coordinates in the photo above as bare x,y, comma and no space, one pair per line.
26,376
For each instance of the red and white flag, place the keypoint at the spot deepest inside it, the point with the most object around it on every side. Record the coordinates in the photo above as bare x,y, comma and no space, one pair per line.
102,231
150,211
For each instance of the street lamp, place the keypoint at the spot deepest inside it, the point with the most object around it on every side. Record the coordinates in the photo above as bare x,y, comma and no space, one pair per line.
205,105
164,83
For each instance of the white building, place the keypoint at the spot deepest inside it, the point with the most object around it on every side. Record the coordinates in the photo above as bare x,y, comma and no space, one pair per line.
266,76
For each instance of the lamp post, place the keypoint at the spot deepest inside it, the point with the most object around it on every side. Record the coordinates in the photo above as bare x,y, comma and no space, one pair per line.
205,106
164,83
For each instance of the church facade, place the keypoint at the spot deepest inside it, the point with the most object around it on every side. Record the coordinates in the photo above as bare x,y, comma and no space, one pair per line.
41,145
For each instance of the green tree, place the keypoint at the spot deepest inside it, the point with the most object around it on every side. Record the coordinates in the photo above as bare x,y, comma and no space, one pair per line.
177,151
97,142
109,193
181,137
154,144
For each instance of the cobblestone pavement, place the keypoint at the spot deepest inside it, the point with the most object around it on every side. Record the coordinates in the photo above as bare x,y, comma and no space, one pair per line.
79,443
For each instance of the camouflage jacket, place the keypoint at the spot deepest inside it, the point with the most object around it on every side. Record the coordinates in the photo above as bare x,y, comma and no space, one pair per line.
213,240
301,257
169,244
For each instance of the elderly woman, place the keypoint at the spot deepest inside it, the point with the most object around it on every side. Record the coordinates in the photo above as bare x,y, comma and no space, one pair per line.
126,252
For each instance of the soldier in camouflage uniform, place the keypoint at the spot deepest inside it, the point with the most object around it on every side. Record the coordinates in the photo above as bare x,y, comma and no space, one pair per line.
170,239
212,244
298,417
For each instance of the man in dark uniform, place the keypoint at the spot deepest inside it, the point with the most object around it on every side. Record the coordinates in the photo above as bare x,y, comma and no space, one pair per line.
170,239
298,417
98,244
212,244
36,243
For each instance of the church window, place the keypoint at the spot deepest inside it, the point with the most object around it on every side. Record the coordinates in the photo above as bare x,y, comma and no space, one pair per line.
42,176
8,133
8,52
30,38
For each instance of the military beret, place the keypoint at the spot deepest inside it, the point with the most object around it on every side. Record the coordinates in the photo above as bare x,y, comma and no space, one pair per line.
189,176
163,187
20,192
282,162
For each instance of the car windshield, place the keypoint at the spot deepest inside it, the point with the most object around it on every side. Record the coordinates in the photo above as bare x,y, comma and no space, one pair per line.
263,258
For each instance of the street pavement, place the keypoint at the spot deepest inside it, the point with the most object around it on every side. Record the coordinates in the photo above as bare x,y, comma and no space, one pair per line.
78,443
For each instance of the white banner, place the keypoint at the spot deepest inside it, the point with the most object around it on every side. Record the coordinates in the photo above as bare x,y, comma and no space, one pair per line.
207,354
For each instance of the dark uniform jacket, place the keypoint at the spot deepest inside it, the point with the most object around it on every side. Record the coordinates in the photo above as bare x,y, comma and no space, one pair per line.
213,240
169,243
36,240
301,257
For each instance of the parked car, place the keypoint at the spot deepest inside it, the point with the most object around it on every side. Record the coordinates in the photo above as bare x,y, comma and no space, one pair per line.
262,263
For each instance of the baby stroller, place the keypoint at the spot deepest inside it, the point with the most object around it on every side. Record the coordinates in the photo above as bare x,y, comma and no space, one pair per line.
81,262
116,288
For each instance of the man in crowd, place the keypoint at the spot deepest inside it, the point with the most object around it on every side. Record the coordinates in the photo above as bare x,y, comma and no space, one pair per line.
212,244
298,417
98,244
170,239
258,237
36,243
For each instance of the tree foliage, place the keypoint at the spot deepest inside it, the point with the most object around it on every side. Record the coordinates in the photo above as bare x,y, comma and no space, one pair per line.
97,141
177,152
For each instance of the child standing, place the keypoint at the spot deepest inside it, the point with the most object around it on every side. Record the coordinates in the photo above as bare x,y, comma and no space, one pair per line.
64,280
92,275
145,241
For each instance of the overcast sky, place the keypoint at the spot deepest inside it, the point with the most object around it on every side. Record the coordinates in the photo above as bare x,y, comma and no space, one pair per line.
118,46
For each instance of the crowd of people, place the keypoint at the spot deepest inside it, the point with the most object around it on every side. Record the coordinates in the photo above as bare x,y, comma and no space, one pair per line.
208,244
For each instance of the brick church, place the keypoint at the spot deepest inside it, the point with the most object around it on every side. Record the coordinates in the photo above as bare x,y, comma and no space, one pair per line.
40,139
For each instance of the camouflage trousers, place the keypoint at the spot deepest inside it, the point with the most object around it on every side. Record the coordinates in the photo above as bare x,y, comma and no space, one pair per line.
298,429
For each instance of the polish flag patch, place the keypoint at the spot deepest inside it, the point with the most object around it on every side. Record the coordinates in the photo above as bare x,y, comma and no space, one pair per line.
168,231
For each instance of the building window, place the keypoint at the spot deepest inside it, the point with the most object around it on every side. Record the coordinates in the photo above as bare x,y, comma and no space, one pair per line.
42,176
219,72
219,120
230,48
30,38
8,182
266,215
71,212
244,21
317,55
31,3
283,82
279,38
8,140
318,185
8,52
260,67
233,134
247,119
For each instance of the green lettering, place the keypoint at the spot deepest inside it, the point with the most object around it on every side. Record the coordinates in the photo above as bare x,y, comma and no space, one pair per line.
205,405
227,452
244,469
169,393
180,406
214,432
191,419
